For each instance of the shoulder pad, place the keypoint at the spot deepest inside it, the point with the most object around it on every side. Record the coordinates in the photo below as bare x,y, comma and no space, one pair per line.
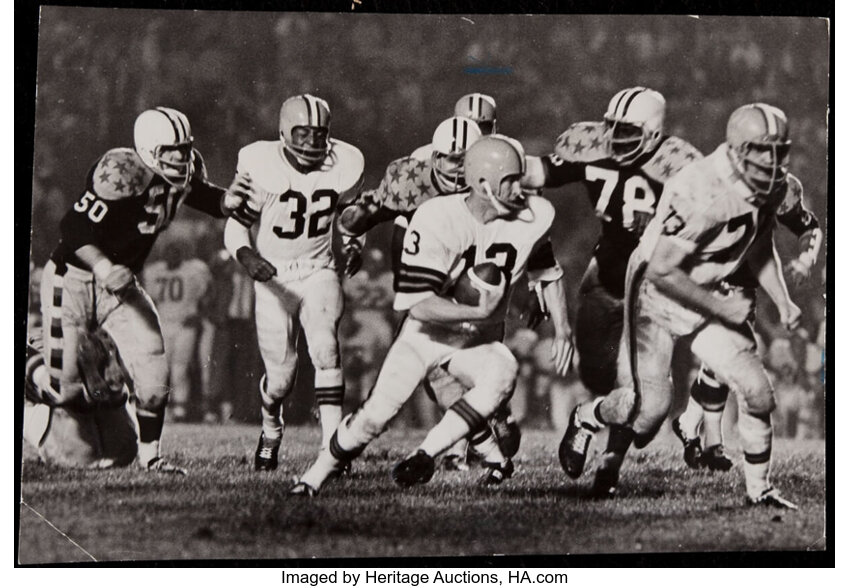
120,174
424,152
793,195
582,142
671,156
200,167
407,184
256,154
349,157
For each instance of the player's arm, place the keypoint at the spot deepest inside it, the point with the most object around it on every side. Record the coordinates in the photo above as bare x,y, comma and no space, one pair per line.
550,172
544,270
366,211
801,221
763,259
237,240
438,309
215,200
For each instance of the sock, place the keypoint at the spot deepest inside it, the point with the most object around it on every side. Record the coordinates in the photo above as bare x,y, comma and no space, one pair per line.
150,431
458,421
271,413
588,414
691,419
711,426
322,468
487,447
330,393
619,439
756,440
458,449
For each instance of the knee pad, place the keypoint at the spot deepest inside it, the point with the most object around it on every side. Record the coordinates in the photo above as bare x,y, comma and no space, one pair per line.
445,388
708,391
757,395
278,380
150,379
325,353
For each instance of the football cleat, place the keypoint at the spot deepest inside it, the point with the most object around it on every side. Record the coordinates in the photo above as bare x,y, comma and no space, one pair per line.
497,472
771,497
715,459
303,489
417,468
572,452
161,466
265,458
693,450
507,431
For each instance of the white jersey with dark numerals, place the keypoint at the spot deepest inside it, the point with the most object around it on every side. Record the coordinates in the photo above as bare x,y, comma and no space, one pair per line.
295,208
444,239
710,212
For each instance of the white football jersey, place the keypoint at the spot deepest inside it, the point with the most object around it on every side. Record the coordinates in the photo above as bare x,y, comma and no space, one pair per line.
297,209
177,292
444,239
709,211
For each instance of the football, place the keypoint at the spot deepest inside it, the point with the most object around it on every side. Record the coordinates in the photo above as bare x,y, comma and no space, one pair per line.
465,292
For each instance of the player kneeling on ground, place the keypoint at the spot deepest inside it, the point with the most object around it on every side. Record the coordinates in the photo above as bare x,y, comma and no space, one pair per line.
447,236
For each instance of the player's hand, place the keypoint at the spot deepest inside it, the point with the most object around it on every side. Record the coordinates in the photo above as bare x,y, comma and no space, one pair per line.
352,251
790,316
489,298
562,353
799,269
240,190
119,278
737,308
257,266
534,312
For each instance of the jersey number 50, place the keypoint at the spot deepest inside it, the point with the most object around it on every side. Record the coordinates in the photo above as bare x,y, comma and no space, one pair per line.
319,221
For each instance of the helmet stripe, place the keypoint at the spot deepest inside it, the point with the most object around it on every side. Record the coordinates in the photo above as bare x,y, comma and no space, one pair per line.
623,94
309,110
463,142
167,115
454,134
638,92
769,120
480,106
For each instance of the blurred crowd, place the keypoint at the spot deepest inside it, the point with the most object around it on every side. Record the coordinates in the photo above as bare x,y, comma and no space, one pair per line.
389,79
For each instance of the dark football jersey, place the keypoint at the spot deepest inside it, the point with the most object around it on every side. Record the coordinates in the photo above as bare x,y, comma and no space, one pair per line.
624,196
125,206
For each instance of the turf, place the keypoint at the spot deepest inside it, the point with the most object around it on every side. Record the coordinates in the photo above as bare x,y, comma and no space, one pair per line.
224,510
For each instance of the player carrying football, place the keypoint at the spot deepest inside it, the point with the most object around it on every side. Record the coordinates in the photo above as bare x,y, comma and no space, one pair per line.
714,216
298,182
494,222
90,284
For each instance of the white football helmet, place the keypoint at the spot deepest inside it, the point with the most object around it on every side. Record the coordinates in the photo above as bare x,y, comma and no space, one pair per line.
311,113
488,162
757,136
163,140
478,107
450,141
634,123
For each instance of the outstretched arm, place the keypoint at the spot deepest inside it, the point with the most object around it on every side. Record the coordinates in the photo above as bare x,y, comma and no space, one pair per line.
764,261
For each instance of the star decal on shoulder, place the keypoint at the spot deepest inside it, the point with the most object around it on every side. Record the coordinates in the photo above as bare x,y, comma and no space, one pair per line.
675,149
104,177
579,146
396,197
394,173
596,143
422,165
690,156
412,197
411,173
587,129
667,170
121,166
119,185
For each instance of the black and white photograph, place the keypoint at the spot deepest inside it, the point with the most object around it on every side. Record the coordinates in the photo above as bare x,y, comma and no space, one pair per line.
323,285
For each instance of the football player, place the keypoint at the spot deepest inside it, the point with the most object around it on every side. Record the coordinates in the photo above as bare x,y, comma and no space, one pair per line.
493,222
179,285
624,162
131,196
714,216
407,184
479,108
299,180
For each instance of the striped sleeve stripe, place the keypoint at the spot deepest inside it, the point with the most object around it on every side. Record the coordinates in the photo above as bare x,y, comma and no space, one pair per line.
245,215
419,270
758,458
408,288
420,279
471,416
332,396
543,258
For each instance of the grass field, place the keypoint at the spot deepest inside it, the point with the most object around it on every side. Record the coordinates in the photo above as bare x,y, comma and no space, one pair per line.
224,510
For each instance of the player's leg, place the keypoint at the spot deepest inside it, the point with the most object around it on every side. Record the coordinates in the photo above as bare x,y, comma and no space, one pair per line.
275,309
705,409
133,324
117,432
599,327
321,311
445,390
732,355
179,351
403,368
489,371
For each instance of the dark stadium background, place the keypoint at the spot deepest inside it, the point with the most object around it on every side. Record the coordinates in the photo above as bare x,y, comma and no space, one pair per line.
391,78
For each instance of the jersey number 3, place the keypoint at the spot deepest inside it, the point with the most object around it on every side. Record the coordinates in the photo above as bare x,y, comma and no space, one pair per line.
318,222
